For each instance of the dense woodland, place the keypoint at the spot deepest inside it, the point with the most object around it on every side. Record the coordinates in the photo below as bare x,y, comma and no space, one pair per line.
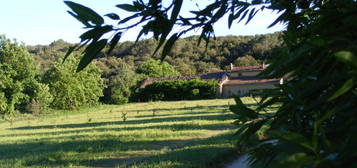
186,56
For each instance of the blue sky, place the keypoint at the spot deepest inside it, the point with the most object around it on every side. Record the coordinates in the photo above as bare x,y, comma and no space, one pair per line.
44,21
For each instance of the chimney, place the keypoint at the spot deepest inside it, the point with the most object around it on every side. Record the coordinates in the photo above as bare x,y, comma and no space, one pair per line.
231,66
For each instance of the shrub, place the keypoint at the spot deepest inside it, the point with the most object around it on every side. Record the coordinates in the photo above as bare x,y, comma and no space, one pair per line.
246,60
40,98
153,68
179,90
34,107
73,89
120,80
18,83
119,96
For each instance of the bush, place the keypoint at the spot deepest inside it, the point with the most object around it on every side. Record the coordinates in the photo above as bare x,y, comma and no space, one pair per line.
72,89
117,97
153,69
246,61
34,107
40,97
18,83
179,90
3,102
120,78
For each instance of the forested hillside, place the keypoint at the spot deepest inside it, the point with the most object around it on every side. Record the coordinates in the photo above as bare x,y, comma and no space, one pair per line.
186,56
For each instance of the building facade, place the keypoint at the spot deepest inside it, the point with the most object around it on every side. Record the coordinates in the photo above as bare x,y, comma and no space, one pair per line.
244,79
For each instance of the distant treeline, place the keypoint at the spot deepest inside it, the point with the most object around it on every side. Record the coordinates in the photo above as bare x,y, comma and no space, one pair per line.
186,56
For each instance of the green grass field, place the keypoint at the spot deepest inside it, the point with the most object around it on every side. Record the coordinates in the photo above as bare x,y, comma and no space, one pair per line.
157,134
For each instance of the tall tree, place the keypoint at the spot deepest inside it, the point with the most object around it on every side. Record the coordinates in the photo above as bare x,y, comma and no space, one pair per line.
72,90
154,69
119,78
18,82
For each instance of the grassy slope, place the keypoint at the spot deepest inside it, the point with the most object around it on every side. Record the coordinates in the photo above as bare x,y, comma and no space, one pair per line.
181,134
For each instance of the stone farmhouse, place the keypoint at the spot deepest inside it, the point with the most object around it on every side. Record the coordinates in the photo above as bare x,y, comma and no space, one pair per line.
243,79
237,81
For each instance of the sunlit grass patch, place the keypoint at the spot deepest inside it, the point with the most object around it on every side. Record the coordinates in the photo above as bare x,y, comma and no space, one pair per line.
178,134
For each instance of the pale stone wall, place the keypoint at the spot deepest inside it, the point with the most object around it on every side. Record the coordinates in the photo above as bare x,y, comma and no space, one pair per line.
241,89
253,73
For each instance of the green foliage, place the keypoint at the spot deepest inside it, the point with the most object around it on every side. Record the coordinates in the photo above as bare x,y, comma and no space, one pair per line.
179,90
72,90
315,123
153,69
18,84
188,137
120,79
246,61
185,56
45,55
3,102
40,97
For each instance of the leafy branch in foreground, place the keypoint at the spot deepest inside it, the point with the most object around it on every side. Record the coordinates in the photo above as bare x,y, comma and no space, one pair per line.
315,123
157,20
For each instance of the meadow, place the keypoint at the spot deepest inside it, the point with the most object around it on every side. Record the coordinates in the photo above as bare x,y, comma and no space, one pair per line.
155,134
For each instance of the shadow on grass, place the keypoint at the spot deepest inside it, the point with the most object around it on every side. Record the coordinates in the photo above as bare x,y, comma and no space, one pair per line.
209,152
213,107
105,144
157,114
180,109
55,154
173,127
189,153
135,122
